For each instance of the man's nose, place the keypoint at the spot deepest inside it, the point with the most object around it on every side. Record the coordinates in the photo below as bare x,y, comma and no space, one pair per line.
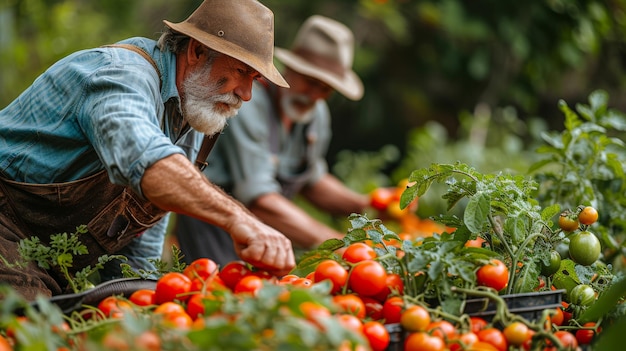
244,89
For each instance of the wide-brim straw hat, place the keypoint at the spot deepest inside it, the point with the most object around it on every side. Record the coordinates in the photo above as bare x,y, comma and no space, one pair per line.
324,49
242,29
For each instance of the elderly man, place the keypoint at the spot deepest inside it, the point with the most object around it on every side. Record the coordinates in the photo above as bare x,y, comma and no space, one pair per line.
94,141
275,147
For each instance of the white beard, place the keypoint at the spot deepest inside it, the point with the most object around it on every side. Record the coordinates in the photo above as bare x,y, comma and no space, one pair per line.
288,104
204,109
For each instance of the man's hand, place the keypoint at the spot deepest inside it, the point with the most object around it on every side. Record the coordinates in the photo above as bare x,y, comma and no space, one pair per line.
263,246
174,184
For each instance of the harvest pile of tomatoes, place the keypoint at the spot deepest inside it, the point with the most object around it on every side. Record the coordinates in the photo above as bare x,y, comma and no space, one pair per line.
349,301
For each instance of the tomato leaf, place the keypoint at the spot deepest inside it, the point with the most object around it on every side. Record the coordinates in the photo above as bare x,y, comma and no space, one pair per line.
477,212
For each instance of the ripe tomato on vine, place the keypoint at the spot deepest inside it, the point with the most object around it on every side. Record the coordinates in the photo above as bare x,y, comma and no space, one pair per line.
494,274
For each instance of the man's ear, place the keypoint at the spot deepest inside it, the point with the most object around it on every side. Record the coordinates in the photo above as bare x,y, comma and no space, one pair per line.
195,50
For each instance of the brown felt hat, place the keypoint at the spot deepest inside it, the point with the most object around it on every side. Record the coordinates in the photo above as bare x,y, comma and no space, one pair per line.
324,49
242,29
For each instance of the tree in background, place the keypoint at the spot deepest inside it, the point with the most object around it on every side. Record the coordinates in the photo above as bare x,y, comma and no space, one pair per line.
420,60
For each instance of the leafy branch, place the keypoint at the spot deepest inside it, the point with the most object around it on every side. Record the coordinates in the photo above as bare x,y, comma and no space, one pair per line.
60,253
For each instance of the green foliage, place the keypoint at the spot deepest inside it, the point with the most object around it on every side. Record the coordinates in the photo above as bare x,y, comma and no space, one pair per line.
59,254
584,165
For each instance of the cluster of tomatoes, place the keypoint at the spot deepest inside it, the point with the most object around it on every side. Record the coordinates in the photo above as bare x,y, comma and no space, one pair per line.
179,299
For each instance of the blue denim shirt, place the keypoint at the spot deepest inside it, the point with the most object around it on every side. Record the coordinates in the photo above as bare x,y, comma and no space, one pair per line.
101,108
94,109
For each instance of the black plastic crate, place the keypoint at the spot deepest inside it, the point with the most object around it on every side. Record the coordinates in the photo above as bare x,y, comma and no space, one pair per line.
528,305
396,337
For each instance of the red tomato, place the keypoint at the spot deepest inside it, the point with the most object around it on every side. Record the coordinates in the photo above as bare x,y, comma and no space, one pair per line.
249,284
477,324
567,339
142,297
232,273
463,341
358,252
333,271
495,275
442,329
377,335
373,308
367,278
114,307
173,315
314,312
201,268
585,336
392,310
393,284
172,286
494,337
147,341
196,304
287,279
558,317
421,341
302,282
350,304
351,322
381,197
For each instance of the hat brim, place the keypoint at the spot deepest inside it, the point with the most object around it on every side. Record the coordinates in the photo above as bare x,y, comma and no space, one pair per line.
349,85
267,70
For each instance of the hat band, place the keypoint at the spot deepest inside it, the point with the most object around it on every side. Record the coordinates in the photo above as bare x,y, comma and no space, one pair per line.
320,61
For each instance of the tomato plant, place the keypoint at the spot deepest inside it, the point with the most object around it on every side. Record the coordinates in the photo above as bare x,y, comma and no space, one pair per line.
584,248
494,274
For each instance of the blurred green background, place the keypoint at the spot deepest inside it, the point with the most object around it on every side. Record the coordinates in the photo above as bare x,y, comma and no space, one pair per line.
446,80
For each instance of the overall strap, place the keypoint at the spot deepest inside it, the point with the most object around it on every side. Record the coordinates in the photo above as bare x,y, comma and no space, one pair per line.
207,144
209,140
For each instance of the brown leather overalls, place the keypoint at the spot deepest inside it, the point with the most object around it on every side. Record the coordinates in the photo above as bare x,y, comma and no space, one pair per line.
114,215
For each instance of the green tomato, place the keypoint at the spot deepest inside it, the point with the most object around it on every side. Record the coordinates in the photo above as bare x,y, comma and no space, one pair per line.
582,295
584,248
554,264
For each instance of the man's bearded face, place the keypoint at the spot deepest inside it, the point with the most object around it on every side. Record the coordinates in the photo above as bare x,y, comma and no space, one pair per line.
204,108
297,107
